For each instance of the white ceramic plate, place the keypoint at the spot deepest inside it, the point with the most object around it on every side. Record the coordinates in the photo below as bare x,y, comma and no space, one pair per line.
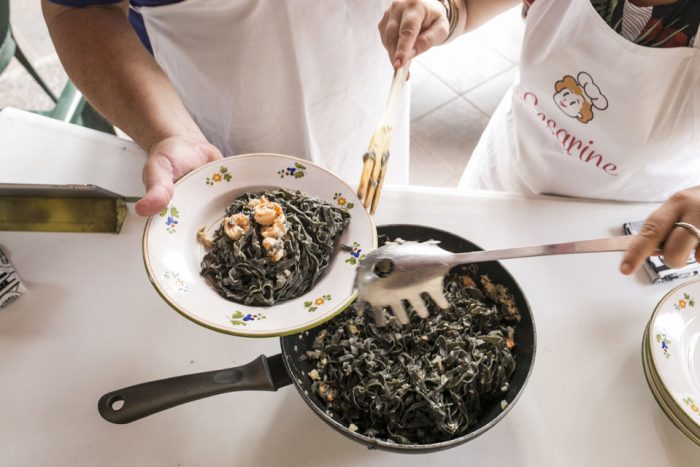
674,343
173,255
664,400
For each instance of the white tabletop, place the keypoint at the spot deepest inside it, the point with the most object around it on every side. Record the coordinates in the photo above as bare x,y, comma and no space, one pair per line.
90,323
41,150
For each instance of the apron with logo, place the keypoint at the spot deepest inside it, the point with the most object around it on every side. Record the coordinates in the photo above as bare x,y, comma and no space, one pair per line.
306,78
592,114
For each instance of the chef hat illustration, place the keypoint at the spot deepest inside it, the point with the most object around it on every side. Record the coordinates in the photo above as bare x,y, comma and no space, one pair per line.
591,91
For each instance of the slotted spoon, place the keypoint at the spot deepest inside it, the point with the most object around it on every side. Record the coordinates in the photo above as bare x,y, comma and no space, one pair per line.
404,271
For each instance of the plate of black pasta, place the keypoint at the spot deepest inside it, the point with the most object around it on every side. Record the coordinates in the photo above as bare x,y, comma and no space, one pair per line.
258,245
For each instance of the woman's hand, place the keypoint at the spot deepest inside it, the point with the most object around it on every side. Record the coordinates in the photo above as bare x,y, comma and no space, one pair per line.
410,27
168,160
658,229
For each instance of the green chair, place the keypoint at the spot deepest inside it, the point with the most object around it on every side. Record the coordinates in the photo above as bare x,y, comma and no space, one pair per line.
70,106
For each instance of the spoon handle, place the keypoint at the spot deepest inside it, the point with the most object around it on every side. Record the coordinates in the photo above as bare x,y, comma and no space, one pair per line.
619,243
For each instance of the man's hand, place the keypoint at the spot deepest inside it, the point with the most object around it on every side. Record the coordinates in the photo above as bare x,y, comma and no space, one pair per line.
169,160
106,60
658,229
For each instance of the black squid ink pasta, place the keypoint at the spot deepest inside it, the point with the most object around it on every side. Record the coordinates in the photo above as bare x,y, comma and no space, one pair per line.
424,382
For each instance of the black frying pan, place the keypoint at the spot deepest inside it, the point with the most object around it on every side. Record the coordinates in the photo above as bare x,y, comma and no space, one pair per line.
271,373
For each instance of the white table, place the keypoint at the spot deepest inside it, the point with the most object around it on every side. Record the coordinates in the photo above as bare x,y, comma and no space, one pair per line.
41,150
91,323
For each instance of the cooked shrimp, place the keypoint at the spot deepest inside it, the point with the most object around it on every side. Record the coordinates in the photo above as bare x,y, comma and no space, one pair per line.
266,212
277,255
277,230
236,225
274,247
254,202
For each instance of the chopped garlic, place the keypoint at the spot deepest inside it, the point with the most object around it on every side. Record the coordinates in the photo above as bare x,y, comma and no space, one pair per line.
204,239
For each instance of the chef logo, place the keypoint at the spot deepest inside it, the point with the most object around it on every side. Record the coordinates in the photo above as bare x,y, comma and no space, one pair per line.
577,97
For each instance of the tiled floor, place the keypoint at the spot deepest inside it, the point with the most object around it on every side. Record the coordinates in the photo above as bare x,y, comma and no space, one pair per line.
17,88
455,88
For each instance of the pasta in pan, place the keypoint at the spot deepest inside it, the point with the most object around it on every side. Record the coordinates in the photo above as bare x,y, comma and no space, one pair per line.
425,382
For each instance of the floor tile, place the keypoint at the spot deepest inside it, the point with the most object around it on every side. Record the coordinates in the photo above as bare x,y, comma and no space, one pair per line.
505,33
487,96
18,88
453,181
465,63
427,169
30,30
427,91
451,133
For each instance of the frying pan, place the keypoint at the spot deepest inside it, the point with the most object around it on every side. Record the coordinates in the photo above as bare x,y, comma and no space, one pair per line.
271,373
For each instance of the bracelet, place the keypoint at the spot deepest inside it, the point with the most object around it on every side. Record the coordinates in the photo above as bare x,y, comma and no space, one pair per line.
452,12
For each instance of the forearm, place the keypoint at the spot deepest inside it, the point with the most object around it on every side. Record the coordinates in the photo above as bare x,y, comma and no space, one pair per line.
105,59
474,13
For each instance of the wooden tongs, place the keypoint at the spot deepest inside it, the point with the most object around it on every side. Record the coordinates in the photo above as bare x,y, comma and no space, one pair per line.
376,158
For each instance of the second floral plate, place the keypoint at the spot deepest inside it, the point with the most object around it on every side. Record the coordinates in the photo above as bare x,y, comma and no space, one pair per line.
674,343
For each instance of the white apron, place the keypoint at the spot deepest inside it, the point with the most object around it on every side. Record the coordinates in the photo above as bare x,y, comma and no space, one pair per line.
592,114
306,78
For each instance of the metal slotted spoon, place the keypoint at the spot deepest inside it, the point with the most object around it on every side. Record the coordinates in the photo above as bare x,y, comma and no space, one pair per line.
396,272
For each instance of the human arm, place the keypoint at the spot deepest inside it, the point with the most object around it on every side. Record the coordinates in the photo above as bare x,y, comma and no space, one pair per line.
411,27
659,232
105,59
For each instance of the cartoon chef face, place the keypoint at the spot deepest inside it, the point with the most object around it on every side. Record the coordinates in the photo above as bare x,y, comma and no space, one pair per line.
569,101
578,97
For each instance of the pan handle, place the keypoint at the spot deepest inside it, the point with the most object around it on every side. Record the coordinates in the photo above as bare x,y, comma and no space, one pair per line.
139,401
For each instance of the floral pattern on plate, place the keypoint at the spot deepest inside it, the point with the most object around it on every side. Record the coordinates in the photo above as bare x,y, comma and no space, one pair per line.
664,341
238,318
176,280
297,171
683,303
356,254
171,216
692,405
342,201
312,306
221,175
